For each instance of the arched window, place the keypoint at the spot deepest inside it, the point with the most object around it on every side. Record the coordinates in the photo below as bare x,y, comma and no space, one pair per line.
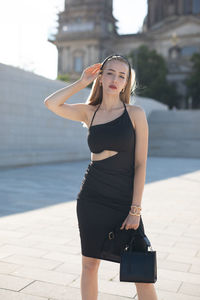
78,64
196,6
174,52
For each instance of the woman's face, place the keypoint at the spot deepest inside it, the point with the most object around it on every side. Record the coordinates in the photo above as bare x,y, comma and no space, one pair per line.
114,76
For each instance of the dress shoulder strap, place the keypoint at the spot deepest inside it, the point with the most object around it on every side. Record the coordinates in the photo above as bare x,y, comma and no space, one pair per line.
94,115
124,105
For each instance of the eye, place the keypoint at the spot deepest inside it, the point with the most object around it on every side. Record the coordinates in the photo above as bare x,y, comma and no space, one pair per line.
109,73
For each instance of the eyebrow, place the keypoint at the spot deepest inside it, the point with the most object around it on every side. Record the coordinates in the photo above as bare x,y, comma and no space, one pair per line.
114,71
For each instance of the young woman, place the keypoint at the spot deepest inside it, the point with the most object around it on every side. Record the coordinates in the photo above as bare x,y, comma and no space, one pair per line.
111,191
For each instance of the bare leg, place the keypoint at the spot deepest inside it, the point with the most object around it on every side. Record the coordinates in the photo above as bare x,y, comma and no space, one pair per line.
146,291
89,278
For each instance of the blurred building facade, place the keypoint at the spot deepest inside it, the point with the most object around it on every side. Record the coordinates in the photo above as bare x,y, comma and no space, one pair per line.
87,33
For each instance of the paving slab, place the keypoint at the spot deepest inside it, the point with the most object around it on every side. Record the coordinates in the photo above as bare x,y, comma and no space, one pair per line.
40,251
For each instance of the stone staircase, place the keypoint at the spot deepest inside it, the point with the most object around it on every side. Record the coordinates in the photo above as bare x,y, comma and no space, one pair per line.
174,133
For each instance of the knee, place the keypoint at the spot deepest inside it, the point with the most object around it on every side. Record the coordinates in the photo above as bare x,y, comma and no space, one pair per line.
142,285
90,264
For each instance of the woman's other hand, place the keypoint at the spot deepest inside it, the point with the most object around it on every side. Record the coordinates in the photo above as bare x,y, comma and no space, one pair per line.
131,222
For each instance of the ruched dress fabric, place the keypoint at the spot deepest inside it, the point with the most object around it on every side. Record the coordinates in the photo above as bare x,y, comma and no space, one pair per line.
106,192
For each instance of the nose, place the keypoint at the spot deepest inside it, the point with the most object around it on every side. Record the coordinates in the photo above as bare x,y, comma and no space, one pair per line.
114,78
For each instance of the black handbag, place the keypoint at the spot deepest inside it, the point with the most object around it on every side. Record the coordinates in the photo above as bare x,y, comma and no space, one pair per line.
138,266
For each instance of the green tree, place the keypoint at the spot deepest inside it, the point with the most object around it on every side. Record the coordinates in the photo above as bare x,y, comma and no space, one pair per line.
63,77
151,76
193,81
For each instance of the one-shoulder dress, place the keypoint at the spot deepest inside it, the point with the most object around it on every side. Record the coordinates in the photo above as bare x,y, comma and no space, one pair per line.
106,192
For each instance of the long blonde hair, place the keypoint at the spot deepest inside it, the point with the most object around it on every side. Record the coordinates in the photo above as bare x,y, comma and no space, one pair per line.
96,94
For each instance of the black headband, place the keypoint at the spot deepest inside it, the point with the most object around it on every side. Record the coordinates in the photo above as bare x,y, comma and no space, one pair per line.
118,55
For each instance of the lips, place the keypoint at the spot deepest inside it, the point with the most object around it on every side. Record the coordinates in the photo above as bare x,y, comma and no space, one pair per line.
112,86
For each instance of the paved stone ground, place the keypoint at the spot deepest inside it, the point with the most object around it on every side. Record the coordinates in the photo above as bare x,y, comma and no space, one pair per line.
39,239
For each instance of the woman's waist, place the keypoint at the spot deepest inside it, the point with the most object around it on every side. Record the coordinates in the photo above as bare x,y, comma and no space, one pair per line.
118,163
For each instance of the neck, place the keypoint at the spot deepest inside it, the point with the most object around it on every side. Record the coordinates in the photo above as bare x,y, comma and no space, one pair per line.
110,102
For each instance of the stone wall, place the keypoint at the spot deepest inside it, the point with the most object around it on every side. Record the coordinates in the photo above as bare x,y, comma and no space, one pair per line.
29,132
174,133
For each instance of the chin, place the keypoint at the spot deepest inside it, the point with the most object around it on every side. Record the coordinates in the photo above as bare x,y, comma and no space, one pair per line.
110,91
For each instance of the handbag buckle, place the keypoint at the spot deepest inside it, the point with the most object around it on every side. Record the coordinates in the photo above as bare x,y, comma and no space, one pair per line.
111,235
126,248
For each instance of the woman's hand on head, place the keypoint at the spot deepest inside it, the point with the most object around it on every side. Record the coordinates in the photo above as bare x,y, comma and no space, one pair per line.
90,73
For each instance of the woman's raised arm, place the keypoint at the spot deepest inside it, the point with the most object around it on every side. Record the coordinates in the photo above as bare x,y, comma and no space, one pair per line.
76,112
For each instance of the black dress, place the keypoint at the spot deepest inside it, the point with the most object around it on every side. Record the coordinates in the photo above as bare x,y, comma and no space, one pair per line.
106,191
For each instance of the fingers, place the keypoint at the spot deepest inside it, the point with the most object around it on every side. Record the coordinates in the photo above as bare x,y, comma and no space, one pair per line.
95,71
123,224
98,65
95,66
127,226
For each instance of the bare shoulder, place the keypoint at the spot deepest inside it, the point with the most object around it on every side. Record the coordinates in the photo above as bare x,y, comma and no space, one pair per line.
137,115
135,109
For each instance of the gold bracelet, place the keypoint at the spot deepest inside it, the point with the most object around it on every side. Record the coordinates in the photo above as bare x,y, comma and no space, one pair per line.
136,209
139,207
130,213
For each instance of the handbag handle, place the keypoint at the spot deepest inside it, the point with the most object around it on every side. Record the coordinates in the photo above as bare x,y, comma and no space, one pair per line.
147,241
